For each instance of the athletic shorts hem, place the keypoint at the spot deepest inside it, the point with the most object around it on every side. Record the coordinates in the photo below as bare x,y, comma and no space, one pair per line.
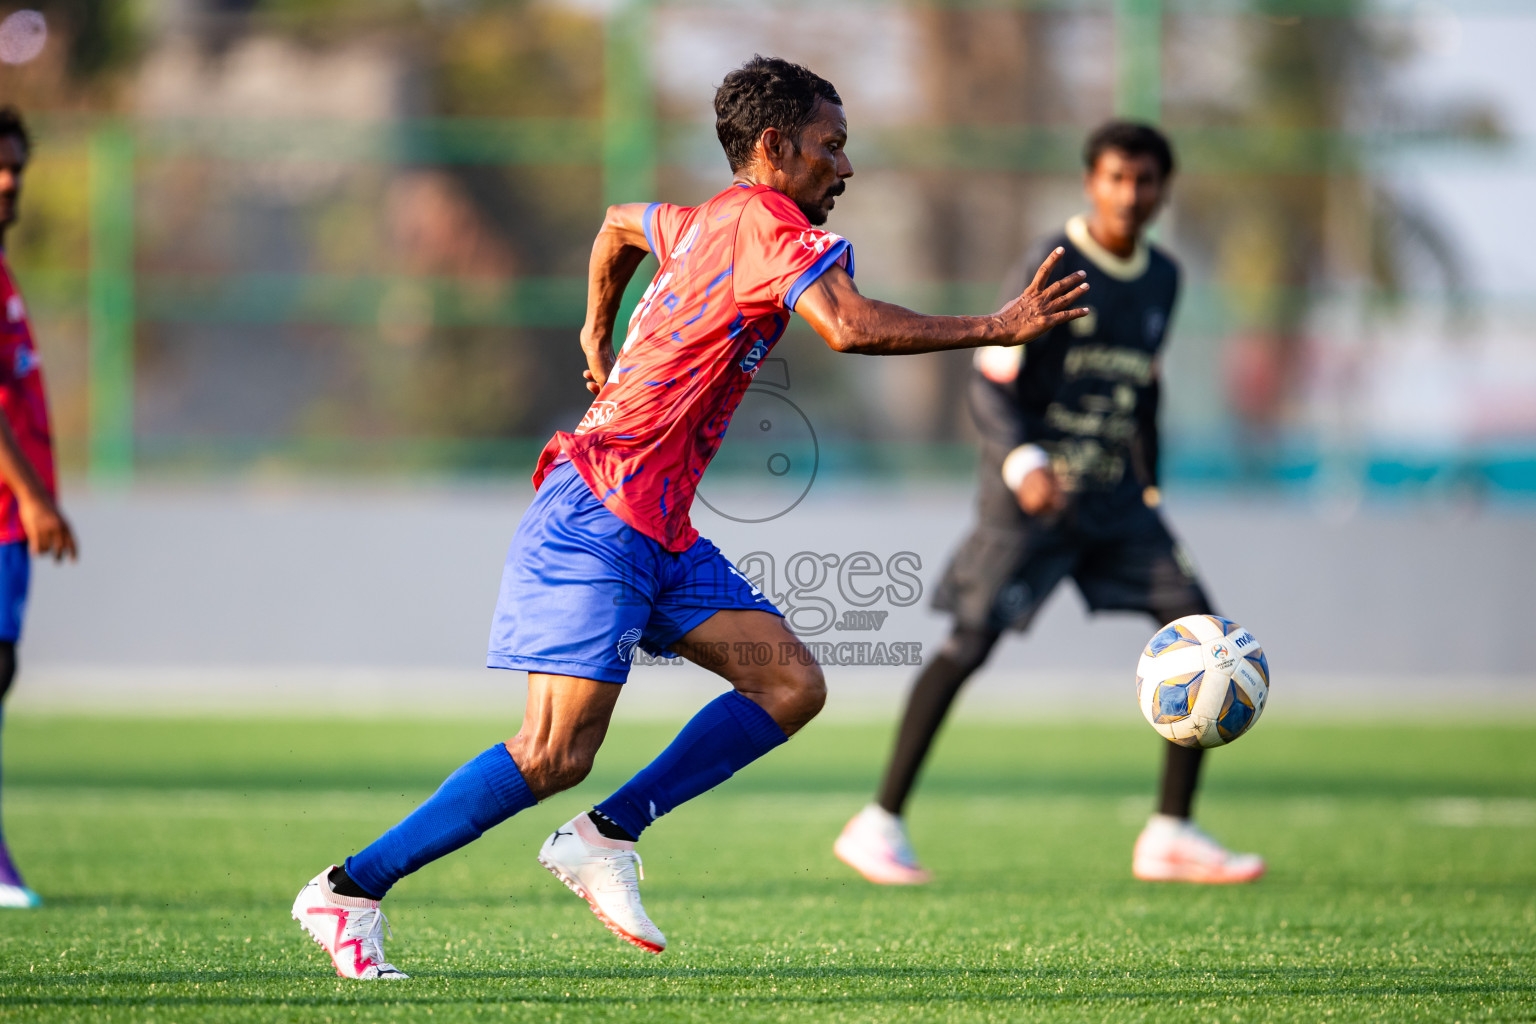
556,667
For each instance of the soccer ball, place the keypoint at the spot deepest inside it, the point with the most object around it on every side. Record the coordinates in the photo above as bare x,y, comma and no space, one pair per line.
1202,681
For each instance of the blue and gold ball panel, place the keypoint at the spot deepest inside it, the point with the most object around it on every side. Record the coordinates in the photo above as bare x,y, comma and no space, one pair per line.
1259,662
1227,626
1237,714
1176,696
1171,638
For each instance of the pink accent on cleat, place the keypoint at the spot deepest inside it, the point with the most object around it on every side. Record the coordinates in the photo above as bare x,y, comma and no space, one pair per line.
351,930
1172,850
874,843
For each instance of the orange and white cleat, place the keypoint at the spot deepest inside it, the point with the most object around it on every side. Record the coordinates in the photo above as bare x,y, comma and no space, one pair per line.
874,843
350,929
1174,850
606,873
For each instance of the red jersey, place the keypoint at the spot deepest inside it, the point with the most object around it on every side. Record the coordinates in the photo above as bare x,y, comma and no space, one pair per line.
21,399
731,272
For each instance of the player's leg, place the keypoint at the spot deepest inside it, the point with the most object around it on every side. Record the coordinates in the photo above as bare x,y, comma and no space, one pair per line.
15,574
999,578
1149,571
569,589
767,703
1171,847
563,726
928,704
875,842
594,852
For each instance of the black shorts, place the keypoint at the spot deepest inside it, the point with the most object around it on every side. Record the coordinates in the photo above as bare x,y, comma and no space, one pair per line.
1002,574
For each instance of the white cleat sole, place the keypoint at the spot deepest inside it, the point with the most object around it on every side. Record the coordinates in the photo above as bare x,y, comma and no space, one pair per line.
608,922
1196,874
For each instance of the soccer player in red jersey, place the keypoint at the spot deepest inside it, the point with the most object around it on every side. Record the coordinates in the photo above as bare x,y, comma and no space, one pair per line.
606,559
30,521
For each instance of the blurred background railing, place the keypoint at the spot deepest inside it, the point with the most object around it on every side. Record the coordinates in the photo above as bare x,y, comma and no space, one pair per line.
348,236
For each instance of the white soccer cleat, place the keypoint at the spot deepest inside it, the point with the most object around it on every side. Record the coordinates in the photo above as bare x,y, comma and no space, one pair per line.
348,928
874,843
19,897
606,873
1174,850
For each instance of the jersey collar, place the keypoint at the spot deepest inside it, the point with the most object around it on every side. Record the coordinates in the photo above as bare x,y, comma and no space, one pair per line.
1121,269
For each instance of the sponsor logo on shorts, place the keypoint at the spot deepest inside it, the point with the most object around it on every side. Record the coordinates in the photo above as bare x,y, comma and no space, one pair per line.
627,643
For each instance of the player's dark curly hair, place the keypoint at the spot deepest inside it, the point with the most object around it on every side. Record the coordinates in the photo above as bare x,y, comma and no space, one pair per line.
11,124
764,93
1132,138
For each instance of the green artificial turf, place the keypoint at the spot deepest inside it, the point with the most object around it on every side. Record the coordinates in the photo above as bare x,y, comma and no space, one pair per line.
1402,859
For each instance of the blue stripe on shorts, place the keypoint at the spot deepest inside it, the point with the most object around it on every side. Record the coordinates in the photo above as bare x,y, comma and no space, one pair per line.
582,588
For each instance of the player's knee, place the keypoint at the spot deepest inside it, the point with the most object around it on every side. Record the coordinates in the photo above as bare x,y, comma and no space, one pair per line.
568,769
805,691
969,647
549,770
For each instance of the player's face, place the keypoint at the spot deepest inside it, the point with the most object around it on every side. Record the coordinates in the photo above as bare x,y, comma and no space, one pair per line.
13,161
815,171
1126,191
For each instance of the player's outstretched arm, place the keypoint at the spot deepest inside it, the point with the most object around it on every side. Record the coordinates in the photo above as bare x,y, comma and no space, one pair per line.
48,532
850,322
620,247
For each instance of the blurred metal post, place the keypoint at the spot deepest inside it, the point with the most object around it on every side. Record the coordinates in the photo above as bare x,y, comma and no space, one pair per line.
110,304
629,122
1139,59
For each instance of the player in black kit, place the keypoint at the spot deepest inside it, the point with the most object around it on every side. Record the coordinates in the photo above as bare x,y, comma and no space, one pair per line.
1068,488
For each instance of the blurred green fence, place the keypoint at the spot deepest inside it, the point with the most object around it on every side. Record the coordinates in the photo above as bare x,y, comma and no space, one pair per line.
624,153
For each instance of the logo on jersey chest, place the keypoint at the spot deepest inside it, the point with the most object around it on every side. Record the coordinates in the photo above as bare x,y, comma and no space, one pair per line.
24,362
15,309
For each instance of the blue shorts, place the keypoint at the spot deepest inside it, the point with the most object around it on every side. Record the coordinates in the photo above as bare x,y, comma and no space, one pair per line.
15,575
582,588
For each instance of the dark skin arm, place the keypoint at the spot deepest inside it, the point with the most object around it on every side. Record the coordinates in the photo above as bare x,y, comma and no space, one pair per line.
48,532
850,322
847,320
616,255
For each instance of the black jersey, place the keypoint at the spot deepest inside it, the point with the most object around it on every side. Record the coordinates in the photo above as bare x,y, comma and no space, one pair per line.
1087,391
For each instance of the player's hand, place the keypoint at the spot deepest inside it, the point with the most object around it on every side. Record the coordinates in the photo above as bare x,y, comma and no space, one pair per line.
1045,305
599,364
1040,493
48,532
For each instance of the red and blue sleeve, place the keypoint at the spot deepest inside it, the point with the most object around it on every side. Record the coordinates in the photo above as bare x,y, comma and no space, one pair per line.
663,224
779,255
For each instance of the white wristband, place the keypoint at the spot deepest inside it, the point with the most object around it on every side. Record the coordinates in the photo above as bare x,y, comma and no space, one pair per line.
1021,462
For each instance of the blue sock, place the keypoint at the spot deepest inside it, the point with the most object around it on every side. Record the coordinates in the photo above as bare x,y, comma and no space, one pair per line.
482,793
729,733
